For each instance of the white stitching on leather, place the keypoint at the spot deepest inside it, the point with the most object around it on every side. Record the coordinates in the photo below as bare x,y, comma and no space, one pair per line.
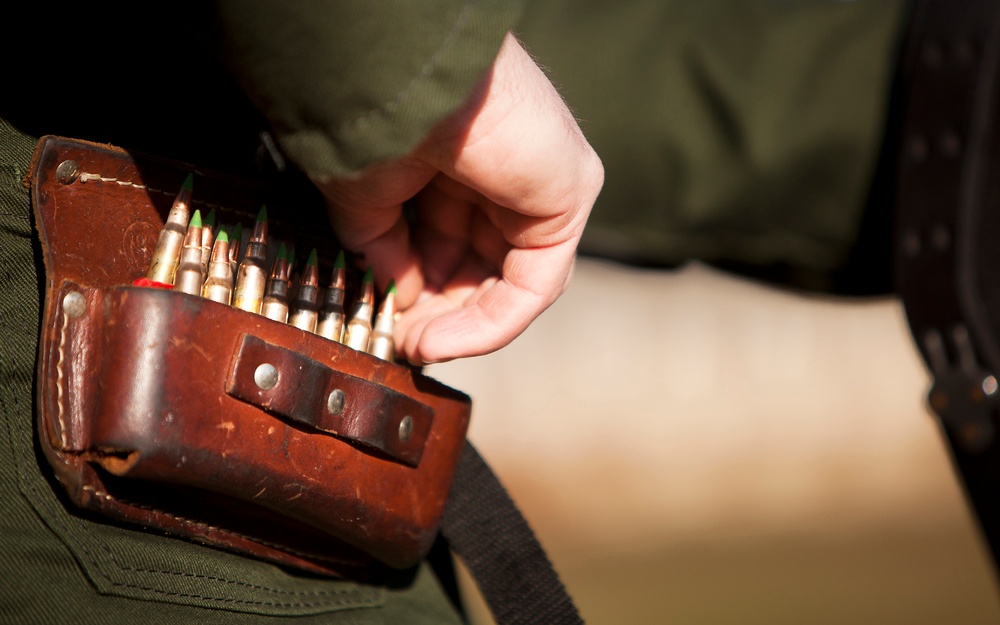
59,380
89,177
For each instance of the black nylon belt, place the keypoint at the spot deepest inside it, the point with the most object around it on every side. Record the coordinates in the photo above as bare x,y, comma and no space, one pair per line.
947,235
484,528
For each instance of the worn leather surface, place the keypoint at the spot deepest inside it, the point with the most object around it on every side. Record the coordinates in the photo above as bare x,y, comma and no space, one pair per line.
137,404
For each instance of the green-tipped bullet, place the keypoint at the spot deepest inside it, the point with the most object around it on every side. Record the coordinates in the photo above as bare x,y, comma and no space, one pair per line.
207,237
331,314
251,277
219,282
381,343
275,304
235,243
359,328
305,308
293,271
166,256
190,277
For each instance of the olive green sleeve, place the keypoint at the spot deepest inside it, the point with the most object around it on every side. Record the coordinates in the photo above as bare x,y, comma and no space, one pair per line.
346,84
737,132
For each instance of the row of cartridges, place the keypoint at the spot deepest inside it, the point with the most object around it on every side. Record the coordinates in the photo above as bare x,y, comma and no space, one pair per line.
193,258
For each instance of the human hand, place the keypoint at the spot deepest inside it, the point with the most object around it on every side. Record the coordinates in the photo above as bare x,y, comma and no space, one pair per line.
502,190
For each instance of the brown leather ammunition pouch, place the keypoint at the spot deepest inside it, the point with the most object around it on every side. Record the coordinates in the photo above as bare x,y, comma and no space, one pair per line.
197,419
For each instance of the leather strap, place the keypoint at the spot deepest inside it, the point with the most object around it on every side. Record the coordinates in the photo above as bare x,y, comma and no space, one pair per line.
488,533
947,226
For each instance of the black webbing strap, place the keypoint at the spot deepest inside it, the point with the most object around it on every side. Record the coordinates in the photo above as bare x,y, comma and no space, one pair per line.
948,228
485,529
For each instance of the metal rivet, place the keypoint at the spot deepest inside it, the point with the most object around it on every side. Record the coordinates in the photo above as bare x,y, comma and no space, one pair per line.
932,55
940,238
939,401
405,429
335,402
918,149
990,385
951,145
266,376
972,435
911,243
963,52
67,172
74,304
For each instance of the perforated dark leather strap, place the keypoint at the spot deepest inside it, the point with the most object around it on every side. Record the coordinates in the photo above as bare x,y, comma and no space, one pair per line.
947,227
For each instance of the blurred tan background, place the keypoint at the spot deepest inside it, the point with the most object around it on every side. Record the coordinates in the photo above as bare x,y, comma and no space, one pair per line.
692,447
